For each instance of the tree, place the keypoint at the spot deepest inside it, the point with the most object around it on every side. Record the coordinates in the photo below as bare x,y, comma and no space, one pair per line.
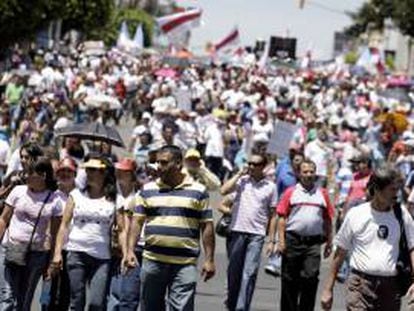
21,19
370,16
403,17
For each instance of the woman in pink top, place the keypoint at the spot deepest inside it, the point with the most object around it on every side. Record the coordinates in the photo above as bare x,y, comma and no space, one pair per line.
23,207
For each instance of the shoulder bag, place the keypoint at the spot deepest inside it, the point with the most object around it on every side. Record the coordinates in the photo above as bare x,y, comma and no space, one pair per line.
404,261
18,254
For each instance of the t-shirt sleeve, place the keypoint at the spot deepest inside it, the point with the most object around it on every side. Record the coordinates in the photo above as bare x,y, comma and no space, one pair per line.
343,238
283,207
205,208
13,196
137,206
329,206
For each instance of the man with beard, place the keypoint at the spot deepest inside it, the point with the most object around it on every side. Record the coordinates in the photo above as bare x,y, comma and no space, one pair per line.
176,212
305,223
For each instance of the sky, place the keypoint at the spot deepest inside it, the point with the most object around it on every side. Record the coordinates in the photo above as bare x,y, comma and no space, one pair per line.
313,26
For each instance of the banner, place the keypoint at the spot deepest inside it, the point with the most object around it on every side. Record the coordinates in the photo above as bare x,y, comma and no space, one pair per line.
282,136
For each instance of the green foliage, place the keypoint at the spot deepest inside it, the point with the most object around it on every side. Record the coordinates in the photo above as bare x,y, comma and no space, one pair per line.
403,16
85,15
390,62
133,17
351,58
370,16
20,19
97,19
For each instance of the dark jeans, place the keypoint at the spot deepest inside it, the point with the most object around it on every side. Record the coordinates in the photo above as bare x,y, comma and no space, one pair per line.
371,293
60,290
244,262
18,284
125,287
84,270
300,271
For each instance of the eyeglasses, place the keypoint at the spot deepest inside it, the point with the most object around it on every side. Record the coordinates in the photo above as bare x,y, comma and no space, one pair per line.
255,163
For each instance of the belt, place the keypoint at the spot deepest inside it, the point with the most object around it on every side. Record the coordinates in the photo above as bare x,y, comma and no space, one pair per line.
307,239
371,276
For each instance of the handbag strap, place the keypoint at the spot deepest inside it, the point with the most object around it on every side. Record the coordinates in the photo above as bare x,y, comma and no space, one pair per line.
38,219
403,238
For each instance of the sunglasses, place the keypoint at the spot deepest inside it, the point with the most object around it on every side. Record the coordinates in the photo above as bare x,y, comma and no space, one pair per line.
255,163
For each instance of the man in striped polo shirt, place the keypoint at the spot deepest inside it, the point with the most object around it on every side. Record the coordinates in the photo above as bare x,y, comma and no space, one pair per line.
175,210
305,223
255,196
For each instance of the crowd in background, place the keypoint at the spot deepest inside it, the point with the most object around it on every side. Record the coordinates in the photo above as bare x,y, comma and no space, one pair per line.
75,193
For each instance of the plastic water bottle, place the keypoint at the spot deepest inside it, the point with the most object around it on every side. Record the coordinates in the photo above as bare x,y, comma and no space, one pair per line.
45,294
274,264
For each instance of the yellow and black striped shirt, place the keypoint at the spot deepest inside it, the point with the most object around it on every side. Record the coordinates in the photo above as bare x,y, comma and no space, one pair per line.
172,220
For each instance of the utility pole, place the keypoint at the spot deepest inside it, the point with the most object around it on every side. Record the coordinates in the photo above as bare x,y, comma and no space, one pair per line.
301,4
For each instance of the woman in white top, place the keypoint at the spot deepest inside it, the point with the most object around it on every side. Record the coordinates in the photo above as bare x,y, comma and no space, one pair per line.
87,222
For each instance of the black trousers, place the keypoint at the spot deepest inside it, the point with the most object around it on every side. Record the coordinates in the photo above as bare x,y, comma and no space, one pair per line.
300,274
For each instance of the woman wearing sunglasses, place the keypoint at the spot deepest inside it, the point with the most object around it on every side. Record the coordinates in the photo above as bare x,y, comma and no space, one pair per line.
87,222
28,225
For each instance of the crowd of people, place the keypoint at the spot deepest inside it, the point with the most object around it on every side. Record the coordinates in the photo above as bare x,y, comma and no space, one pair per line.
124,228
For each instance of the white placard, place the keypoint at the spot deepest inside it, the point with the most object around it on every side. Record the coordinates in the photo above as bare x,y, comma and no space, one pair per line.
282,136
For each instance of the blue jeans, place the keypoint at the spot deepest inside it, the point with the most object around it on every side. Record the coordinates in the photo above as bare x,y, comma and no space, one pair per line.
244,263
125,288
84,269
158,278
18,284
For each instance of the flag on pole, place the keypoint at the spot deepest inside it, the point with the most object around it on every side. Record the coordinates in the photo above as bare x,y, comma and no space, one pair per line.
231,40
179,22
263,60
123,38
139,37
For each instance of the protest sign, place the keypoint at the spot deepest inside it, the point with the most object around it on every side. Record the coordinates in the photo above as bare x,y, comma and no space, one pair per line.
282,136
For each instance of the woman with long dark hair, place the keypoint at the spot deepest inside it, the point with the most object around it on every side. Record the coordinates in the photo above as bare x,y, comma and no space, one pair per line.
87,222
29,224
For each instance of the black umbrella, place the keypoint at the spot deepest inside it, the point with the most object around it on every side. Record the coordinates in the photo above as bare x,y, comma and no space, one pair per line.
95,131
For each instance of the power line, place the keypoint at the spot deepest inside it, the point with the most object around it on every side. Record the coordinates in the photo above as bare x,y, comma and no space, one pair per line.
324,7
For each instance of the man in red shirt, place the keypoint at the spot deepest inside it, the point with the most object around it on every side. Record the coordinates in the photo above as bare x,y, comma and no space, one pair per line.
305,223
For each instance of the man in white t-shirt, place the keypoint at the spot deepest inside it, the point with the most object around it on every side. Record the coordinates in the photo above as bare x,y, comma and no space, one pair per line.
371,234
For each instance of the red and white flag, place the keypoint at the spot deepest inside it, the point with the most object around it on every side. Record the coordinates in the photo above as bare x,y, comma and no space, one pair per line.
229,41
179,22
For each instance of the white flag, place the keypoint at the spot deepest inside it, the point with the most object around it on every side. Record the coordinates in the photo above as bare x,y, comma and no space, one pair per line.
139,37
123,37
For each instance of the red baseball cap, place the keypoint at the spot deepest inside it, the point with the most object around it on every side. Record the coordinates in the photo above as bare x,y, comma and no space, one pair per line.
126,164
68,163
